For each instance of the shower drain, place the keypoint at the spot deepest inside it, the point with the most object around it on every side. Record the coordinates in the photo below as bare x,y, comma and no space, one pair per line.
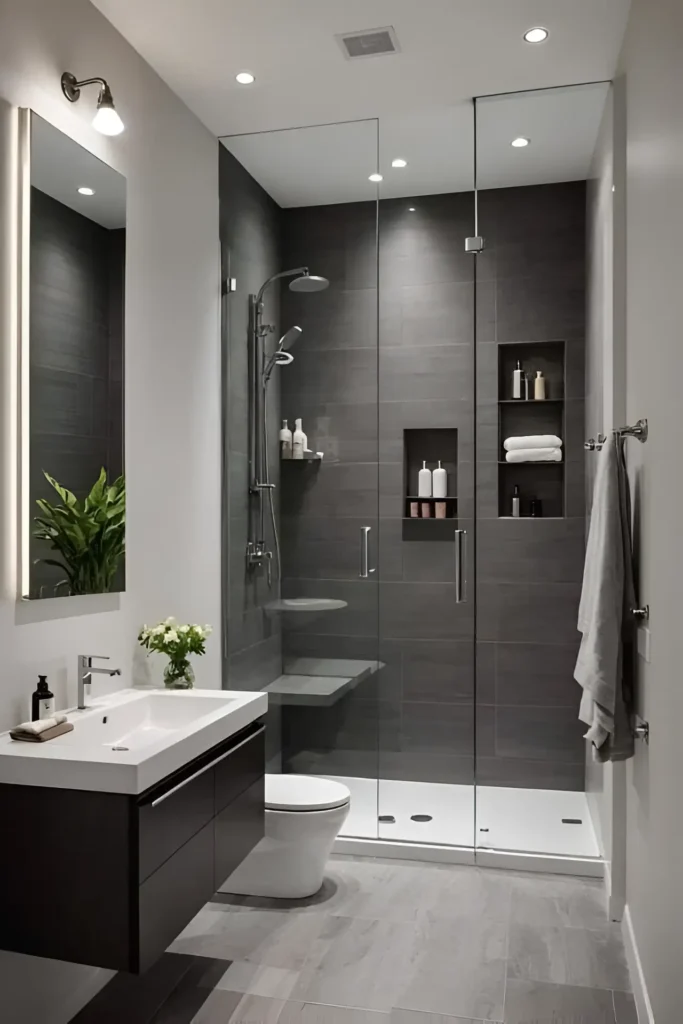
119,747
420,817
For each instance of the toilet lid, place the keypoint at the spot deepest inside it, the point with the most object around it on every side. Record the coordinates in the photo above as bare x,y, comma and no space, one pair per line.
304,793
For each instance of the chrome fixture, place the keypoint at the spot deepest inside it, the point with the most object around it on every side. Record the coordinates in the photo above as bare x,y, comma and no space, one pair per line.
106,119
639,430
642,614
642,730
86,670
460,566
364,566
261,368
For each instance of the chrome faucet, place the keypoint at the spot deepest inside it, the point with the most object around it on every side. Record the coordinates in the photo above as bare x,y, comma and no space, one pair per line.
86,672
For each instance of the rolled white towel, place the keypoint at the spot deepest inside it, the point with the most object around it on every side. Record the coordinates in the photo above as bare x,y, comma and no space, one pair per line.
535,455
512,444
42,725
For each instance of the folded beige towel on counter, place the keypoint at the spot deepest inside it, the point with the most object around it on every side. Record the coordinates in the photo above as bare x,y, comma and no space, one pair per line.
512,444
41,737
535,455
40,725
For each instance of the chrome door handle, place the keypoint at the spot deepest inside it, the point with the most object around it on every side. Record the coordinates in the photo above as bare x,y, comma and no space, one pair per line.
460,566
364,569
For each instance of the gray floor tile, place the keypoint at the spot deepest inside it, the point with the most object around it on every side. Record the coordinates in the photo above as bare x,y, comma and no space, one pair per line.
315,1013
625,1008
529,1002
360,963
258,980
580,907
380,891
236,1008
593,958
415,1017
459,969
269,937
466,892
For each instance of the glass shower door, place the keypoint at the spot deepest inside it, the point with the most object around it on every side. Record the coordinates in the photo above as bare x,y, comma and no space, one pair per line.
427,474
534,156
304,626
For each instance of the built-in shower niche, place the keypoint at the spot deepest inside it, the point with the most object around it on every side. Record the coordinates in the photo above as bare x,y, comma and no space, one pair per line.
522,417
432,446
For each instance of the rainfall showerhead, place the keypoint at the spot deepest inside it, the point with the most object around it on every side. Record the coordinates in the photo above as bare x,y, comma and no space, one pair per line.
288,339
309,283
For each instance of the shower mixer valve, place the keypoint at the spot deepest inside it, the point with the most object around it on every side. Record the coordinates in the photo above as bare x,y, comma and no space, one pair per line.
258,555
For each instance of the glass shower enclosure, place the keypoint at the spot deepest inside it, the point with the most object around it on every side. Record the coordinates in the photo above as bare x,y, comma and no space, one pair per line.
415,635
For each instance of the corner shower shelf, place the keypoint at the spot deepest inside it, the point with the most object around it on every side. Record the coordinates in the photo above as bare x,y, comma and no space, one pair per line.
320,682
306,604
307,457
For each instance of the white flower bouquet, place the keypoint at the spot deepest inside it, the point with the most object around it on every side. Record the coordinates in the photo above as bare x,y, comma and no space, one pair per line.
177,642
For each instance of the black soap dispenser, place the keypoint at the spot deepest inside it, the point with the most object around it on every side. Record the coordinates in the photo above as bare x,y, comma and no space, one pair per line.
42,701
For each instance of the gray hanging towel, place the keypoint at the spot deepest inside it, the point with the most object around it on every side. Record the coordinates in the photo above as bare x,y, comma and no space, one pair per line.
605,664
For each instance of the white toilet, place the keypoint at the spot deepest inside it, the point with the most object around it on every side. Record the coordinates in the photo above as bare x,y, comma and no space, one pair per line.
303,817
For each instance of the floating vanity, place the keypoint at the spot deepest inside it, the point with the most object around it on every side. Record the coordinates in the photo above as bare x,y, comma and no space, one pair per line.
117,833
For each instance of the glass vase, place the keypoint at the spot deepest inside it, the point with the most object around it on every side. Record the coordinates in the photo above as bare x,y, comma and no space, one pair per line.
179,675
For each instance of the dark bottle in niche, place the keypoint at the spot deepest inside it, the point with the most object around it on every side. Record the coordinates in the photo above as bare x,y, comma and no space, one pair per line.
42,701
536,508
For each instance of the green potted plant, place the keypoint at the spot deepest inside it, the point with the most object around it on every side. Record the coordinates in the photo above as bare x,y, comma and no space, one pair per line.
177,642
88,537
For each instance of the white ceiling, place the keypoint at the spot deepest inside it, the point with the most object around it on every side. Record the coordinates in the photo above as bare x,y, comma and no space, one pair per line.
450,51
59,167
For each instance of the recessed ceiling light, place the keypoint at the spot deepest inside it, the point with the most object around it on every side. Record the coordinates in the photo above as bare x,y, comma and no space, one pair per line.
399,162
245,78
375,177
85,191
411,209
520,143
536,35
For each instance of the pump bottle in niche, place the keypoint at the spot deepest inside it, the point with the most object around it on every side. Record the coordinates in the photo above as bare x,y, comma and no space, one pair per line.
516,503
424,482
517,375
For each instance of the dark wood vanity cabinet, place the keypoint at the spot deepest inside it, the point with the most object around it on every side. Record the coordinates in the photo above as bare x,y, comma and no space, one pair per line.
110,880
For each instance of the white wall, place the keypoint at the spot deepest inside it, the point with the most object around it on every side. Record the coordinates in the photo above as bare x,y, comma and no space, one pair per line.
652,70
172,392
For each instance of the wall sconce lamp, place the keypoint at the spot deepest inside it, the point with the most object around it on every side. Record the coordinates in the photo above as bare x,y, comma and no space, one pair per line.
106,119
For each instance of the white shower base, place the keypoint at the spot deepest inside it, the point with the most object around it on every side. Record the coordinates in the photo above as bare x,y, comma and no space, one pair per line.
516,820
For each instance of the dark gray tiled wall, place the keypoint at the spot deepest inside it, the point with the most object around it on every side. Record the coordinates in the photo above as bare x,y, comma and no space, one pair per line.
250,242
76,313
531,287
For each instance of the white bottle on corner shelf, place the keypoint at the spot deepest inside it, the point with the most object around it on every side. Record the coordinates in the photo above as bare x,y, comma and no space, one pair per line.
424,482
285,441
539,386
299,441
440,482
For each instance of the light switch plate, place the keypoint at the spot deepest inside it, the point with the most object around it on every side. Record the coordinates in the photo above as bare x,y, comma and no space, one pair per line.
644,643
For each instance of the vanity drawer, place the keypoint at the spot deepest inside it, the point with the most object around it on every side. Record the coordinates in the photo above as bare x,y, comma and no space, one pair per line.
241,768
171,897
238,828
169,819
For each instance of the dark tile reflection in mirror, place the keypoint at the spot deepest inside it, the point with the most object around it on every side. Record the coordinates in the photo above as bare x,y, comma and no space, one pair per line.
77,314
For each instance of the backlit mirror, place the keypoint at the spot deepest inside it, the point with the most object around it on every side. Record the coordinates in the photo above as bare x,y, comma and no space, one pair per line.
72,369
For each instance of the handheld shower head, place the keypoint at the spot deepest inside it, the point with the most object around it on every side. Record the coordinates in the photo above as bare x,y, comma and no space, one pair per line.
288,338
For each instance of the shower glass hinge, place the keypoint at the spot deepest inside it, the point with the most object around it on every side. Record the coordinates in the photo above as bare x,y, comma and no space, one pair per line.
475,244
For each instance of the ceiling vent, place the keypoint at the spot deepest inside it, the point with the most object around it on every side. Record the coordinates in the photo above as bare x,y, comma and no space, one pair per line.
374,42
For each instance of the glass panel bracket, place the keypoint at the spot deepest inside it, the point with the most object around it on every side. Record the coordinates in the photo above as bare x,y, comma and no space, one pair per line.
475,244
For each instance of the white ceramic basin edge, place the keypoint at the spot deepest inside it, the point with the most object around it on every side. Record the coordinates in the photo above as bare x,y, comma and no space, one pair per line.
130,740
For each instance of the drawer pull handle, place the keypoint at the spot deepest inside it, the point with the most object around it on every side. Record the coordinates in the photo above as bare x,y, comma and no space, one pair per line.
212,764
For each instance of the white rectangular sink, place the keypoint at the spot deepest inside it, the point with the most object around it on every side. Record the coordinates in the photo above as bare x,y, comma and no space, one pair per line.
130,740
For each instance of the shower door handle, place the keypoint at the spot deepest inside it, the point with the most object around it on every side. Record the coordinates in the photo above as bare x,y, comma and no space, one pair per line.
364,570
460,566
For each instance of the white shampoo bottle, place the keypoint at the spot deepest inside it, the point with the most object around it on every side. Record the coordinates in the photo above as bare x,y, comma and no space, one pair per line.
440,482
285,441
424,482
298,441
